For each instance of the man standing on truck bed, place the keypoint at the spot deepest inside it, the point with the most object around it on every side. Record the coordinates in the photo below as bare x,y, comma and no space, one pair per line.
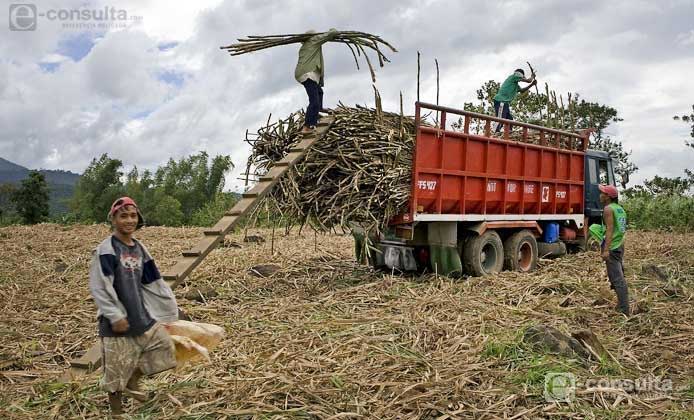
310,72
615,225
508,90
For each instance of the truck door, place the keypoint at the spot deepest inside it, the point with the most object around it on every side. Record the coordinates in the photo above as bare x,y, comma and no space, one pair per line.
598,171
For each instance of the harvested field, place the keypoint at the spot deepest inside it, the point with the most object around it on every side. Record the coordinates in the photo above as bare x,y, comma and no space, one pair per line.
323,337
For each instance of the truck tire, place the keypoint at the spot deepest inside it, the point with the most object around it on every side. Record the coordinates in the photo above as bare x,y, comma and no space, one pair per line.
520,252
483,254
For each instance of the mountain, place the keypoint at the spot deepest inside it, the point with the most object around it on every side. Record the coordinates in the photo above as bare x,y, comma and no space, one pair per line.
61,183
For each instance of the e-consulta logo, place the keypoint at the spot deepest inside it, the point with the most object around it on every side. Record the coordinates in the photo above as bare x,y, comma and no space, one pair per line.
560,387
25,16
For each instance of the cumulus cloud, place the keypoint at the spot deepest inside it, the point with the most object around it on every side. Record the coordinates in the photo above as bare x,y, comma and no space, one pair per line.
686,38
162,88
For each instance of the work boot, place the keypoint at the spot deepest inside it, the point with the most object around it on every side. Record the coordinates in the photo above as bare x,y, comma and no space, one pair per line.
307,129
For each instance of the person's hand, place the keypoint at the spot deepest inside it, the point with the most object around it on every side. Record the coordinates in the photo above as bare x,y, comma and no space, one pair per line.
120,326
605,255
534,82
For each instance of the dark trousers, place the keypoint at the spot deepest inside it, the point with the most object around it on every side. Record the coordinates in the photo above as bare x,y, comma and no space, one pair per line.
315,102
615,273
502,110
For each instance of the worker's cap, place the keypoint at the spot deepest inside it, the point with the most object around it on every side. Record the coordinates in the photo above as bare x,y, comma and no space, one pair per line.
124,202
521,71
610,190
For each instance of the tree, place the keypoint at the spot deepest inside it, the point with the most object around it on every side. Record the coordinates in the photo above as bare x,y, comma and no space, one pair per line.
549,110
163,210
212,211
689,119
31,199
7,191
662,186
191,181
97,188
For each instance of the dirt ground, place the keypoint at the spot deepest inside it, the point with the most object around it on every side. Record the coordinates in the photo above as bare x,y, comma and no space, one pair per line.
325,338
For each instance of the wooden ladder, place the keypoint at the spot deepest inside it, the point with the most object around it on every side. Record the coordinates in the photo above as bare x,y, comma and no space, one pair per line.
191,258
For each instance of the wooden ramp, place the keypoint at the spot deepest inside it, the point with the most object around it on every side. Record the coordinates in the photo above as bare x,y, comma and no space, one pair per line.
191,258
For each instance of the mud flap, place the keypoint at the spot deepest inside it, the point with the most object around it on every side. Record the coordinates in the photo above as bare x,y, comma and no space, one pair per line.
443,248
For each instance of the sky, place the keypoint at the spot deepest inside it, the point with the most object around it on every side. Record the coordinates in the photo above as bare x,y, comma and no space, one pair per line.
150,83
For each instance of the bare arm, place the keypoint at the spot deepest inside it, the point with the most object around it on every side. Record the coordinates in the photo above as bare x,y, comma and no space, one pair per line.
529,79
527,88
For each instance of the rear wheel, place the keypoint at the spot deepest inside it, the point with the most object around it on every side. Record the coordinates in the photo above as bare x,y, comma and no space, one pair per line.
483,254
520,252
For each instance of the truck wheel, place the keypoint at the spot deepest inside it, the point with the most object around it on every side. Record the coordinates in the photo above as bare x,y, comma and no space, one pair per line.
520,252
483,254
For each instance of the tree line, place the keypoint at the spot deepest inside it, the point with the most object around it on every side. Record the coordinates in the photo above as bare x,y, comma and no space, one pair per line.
184,192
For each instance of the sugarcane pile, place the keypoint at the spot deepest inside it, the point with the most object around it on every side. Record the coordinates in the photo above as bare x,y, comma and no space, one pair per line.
358,172
357,42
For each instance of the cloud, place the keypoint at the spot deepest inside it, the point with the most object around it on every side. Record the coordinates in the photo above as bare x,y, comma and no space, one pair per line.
686,38
162,88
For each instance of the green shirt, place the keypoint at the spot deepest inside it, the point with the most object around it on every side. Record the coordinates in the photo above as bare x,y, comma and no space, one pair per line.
311,56
620,225
509,89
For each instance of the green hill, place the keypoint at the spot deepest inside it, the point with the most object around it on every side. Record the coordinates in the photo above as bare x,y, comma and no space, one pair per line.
61,183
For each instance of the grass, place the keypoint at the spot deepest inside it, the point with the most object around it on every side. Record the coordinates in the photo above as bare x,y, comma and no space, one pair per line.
671,213
528,366
608,367
510,351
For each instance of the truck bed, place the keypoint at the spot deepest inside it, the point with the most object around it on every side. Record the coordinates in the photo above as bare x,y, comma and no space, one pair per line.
525,173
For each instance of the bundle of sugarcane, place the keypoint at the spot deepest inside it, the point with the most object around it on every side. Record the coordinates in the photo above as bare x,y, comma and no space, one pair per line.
358,172
355,41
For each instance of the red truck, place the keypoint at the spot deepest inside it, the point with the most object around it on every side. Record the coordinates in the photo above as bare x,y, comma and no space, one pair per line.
480,202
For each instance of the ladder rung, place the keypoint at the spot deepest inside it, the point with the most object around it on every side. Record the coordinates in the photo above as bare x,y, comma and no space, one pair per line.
180,270
266,179
168,276
89,360
281,163
207,244
233,213
250,195
212,232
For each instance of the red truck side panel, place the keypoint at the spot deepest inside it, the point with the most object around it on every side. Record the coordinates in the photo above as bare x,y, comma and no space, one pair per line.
458,172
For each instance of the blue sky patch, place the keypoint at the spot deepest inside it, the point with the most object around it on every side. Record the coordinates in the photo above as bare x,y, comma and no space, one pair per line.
164,46
172,77
141,115
49,67
77,46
